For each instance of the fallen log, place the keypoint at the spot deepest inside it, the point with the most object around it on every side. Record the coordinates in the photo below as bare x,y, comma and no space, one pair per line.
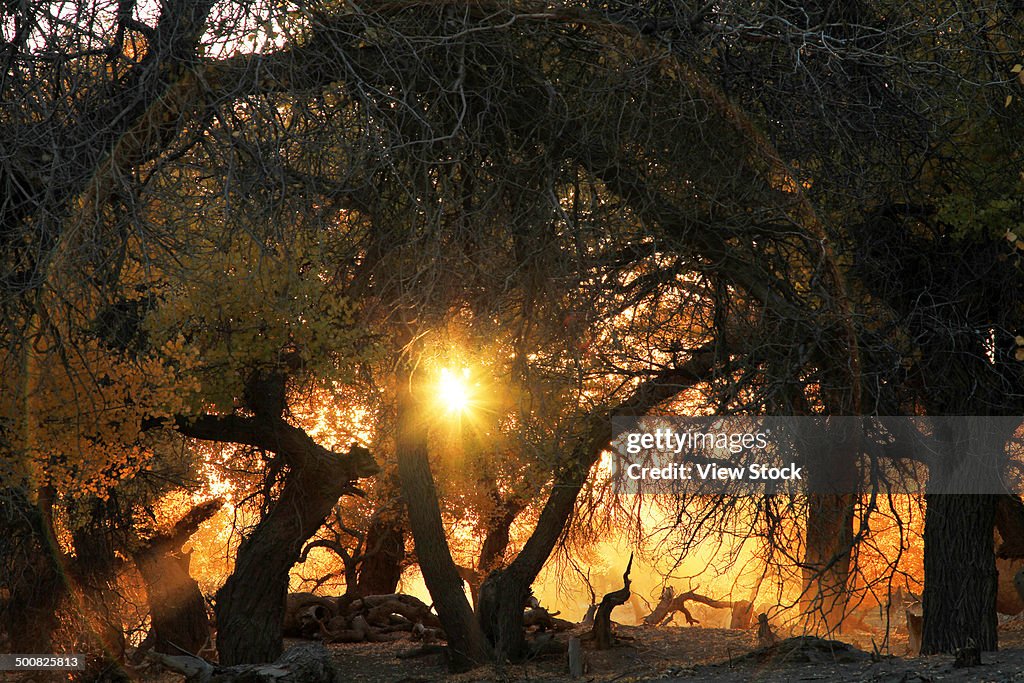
354,619
379,608
543,620
305,663
380,618
304,612
670,603
343,630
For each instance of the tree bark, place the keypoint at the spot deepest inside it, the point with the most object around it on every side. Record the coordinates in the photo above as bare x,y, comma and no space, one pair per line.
467,646
94,582
827,558
380,567
30,570
250,605
495,545
602,630
176,606
575,658
499,524
960,579
830,455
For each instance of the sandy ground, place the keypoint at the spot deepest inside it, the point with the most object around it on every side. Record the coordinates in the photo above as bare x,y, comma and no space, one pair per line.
685,655
677,654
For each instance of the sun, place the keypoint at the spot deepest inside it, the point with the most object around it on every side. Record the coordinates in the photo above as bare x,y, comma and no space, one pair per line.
453,391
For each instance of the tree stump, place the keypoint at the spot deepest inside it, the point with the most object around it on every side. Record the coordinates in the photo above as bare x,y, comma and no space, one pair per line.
765,636
575,657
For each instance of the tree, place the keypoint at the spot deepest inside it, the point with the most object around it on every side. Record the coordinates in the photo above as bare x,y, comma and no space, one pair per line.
177,608
365,155
596,158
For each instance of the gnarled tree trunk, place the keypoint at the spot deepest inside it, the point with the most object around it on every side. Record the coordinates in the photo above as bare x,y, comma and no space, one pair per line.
602,630
831,459
250,605
827,557
176,606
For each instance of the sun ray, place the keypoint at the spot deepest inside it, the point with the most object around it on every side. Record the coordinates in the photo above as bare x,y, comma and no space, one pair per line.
453,390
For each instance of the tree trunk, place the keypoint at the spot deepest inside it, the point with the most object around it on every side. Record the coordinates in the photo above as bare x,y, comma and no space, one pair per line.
502,598
384,551
176,606
94,571
30,570
960,577
250,606
466,643
575,658
499,524
177,609
495,545
602,629
827,558
960,580
504,592
830,451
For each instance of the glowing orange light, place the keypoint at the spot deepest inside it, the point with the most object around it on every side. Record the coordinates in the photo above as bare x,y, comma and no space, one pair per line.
453,390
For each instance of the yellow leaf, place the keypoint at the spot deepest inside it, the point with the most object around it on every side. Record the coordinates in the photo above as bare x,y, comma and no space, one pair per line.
1019,355
1009,99
1010,236
1019,340
1017,68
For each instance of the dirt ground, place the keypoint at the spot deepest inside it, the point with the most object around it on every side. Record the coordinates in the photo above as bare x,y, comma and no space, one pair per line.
683,655
677,654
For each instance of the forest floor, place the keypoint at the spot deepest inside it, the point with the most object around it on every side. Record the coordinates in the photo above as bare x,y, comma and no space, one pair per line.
686,655
676,654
